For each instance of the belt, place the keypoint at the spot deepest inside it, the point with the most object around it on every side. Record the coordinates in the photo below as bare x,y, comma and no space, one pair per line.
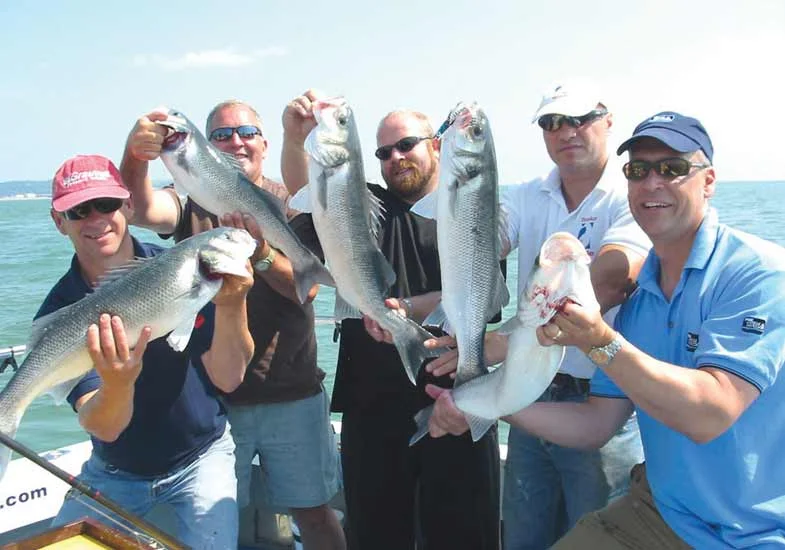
562,380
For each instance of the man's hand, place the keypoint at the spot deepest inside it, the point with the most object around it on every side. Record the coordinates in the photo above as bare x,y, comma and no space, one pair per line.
447,363
298,119
576,326
375,330
240,220
446,417
147,136
234,288
115,363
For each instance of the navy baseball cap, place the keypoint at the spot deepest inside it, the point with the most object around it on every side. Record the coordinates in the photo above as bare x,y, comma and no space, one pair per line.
681,133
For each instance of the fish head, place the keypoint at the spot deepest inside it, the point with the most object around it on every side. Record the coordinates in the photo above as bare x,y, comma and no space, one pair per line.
467,145
561,275
334,140
224,251
181,131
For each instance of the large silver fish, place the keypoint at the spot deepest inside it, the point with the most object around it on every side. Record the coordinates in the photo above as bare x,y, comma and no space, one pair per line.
346,217
217,183
164,292
562,274
467,221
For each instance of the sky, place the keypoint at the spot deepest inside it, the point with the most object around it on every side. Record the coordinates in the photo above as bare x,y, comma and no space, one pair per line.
75,76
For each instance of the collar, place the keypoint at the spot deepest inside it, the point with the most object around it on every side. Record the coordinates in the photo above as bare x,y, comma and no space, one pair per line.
700,254
610,179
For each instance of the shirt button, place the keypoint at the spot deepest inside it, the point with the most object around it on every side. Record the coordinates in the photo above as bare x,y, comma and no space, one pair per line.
670,324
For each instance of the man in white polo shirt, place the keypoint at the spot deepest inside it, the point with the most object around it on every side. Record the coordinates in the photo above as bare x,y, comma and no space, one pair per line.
547,487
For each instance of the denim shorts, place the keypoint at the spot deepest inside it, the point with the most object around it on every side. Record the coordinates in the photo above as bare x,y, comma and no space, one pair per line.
295,443
201,494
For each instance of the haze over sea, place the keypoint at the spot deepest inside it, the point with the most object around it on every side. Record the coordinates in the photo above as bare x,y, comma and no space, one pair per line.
34,256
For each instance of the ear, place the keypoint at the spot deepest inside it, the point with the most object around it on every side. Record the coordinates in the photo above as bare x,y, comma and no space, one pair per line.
609,121
264,151
709,183
59,220
128,208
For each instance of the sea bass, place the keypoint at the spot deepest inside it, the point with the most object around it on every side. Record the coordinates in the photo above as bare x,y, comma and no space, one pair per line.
346,217
467,221
562,274
216,181
164,292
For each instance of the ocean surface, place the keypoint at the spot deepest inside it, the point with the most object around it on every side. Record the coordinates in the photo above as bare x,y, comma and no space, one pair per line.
33,256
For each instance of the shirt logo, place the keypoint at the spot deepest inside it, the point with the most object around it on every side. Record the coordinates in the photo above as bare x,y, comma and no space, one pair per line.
754,325
692,341
585,233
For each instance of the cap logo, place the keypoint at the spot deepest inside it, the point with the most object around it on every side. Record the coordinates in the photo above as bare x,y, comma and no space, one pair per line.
92,175
558,92
662,118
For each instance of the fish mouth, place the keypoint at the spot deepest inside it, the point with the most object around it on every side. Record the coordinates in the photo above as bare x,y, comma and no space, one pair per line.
178,130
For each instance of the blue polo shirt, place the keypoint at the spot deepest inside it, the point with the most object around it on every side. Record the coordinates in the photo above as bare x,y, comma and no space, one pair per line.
176,410
728,311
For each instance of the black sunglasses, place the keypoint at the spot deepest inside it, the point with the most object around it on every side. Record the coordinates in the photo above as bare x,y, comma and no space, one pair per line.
82,210
638,170
403,145
246,131
552,122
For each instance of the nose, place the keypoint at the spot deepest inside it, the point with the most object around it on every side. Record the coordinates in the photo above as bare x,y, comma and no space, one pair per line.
396,154
652,181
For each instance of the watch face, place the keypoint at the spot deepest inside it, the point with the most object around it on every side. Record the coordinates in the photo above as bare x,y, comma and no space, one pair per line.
599,356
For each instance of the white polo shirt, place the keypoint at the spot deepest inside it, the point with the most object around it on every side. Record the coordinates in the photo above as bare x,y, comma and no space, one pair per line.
536,209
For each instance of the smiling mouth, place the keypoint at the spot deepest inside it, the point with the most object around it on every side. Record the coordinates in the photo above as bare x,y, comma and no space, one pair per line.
655,205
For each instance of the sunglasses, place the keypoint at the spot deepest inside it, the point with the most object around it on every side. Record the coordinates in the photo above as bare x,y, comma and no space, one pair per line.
403,145
638,170
552,122
246,131
103,206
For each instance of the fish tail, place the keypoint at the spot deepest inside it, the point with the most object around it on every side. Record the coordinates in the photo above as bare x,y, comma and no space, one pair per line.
410,346
313,273
421,419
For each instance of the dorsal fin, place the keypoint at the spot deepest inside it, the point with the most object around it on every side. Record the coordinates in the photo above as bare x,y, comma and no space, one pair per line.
230,160
375,216
42,324
120,271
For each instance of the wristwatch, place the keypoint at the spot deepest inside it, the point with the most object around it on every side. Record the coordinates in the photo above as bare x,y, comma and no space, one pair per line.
603,355
265,263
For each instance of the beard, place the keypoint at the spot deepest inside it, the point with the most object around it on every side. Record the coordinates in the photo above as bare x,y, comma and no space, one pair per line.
409,186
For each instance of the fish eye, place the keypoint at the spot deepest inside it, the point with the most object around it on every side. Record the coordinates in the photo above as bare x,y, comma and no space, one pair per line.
476,131
472,171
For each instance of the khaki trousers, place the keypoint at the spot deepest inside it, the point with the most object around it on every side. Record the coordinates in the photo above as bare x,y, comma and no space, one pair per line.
630,522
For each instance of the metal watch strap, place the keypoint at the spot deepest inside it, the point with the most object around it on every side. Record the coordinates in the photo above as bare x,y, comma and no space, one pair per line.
606,352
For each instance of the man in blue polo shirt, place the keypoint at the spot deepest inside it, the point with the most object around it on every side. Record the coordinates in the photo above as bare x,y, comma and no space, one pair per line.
159,434
700,361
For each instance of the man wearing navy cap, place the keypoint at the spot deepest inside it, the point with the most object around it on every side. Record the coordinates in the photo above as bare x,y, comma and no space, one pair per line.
700,361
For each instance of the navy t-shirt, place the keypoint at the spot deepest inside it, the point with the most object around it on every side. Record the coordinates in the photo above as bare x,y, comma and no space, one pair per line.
176,410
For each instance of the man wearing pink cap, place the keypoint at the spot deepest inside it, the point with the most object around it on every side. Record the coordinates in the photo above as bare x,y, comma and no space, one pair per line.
159,436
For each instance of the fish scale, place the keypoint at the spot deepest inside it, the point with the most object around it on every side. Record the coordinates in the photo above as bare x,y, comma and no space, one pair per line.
344,216
164,292
216,182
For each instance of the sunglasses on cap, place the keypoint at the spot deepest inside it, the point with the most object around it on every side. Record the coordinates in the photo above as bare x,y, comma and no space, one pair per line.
552,122
246,131
103,206
638,170
403,145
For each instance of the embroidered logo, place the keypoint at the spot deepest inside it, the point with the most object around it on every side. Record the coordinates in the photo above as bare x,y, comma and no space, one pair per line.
692,341
755,325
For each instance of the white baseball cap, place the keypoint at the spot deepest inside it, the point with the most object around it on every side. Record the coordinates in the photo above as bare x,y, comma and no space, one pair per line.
568,98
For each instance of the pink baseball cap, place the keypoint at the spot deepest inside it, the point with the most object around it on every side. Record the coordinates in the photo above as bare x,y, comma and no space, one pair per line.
86,177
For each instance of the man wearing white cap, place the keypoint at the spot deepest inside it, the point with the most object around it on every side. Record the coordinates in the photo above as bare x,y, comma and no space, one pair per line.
547,487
